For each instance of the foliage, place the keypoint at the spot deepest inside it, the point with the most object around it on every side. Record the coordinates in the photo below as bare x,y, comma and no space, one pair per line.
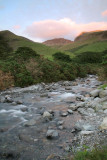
5,49
96,154
62,57
6,80
22,77
89,57
24,53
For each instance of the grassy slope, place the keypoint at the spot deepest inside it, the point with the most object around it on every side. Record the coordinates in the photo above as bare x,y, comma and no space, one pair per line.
95,41
94,47
18,41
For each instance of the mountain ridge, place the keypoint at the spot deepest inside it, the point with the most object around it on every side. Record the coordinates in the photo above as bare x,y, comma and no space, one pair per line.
57,42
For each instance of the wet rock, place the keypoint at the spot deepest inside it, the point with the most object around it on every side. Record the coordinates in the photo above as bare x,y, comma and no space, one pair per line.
8,99
103,93
74,83
98,107
19,102
70,111
95,93
90,110
44,95
42,111
64,114
83,111
86,132
67,148
52,134
73,107
3,129
81,104
47,115
24,109
31,122
104,106
2,99
14,103
66,83
80,98
9,154
81,125
104,124
25,138
105,111
60,122
51,112
61,127
68,88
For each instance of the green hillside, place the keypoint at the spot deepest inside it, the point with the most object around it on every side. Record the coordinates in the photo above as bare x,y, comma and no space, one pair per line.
93,47
15,41
89,41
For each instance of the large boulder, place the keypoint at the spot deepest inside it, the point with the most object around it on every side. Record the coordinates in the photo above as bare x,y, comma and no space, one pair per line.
52,134
103,93
95,93
104,124
47,115
104,106
83,126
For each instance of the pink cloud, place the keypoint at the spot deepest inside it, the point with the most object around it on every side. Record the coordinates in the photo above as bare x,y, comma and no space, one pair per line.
16,27
66,28
104,14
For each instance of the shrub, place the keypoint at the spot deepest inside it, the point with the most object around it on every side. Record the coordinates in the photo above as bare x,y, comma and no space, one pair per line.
5,49
22,77
24,53
62,57
89,57
6,80
96,154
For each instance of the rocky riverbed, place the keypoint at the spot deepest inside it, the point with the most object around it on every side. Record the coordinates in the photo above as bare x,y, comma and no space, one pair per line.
51,121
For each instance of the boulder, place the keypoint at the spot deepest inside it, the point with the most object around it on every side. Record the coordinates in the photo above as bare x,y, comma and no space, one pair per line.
105,111
47,115
52,134
81,104
60,122
73,107
95,93
31,122
103,93
83,126
64,114
104,106
8,99
104,124
83,111
86,132
70,111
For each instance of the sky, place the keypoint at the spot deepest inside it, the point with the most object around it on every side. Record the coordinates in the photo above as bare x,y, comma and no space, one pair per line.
40,20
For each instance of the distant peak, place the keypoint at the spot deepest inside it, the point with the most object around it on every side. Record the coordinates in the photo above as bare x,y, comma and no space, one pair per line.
57,42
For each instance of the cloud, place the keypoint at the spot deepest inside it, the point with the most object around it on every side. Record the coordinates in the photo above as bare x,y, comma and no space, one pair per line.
16,27
66,28
104,14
